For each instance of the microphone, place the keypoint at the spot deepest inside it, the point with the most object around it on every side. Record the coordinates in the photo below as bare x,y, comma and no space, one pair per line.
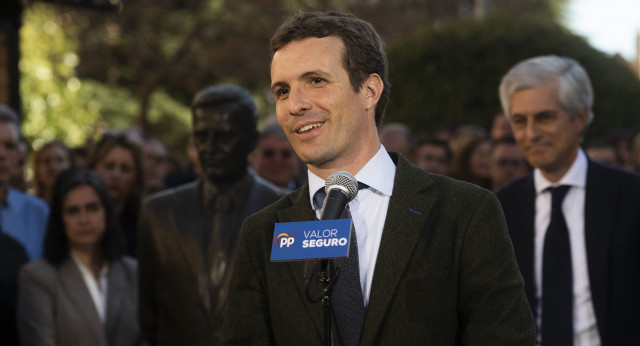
341,188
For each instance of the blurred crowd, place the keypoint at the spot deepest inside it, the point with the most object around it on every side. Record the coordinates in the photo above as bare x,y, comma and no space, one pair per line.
127,166
490,158
124,167
126,175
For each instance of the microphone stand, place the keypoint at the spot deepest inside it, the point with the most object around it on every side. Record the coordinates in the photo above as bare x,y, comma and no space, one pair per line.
338,194
328,280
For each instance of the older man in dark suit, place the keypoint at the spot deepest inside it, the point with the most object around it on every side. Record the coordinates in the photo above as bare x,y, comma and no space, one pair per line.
574,223
189,233
434,264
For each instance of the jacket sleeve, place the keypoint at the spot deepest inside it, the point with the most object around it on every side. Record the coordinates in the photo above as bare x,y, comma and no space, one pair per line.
247,320
493,309
36,326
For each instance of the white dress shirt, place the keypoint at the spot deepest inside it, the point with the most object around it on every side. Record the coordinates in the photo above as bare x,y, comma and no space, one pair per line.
97,288
585,329
368,211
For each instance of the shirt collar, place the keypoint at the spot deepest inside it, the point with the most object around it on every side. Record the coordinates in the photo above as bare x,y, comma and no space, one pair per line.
86,272
576,176
379,173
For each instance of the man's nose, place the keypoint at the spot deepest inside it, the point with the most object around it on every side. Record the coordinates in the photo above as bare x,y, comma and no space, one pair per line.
531,129
298,101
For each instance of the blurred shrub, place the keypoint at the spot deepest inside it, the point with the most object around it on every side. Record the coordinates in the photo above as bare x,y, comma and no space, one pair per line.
450,73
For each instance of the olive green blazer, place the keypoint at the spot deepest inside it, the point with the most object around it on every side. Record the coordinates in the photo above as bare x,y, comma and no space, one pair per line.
445,273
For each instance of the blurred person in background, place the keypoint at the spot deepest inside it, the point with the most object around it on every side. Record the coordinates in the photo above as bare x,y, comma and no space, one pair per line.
621,139
22,216
500,127
48,162
471,160
119,161
192,171
573,222
17,180
83,292
274,160
507,162
155,153
602,150
463,134
80,157
397,137
12,258
432,155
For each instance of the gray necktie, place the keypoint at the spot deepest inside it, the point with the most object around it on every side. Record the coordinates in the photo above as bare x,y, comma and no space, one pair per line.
347,300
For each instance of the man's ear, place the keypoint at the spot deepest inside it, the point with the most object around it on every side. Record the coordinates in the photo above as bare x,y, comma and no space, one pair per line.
373,87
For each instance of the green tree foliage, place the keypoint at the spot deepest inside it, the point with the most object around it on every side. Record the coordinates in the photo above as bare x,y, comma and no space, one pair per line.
450,74
49,86
183,46
57,104
85,70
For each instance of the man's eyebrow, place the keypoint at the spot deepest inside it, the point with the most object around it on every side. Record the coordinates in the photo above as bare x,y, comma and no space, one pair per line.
305,75
542,112
278,85
314,73
546,112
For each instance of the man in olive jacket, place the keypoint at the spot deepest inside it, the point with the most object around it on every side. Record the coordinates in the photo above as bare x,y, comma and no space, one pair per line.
435,262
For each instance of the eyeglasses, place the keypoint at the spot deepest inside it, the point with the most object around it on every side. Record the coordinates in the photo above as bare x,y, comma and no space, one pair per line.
271,153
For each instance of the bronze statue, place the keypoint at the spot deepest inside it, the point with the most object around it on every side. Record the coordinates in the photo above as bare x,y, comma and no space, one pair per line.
188,235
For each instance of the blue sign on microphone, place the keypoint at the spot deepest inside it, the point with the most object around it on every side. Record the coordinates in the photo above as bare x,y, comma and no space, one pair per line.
310,240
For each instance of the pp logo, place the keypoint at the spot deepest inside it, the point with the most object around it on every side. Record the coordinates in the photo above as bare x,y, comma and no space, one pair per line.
284,240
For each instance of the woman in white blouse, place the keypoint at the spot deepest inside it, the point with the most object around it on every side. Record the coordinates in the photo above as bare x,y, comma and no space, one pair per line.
83,292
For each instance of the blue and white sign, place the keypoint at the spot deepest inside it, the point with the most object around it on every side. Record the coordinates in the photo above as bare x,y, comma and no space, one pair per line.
310,240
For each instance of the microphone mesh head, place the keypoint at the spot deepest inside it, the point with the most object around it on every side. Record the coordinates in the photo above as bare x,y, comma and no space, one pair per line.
344,181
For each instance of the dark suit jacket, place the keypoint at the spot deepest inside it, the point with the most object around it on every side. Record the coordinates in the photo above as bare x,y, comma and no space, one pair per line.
55,306
612,236
12,257
174,299
445,273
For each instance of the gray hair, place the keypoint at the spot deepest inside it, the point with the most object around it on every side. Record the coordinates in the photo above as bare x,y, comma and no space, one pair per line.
8,115
574,87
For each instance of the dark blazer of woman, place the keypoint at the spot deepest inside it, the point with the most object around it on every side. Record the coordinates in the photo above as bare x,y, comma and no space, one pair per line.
55,306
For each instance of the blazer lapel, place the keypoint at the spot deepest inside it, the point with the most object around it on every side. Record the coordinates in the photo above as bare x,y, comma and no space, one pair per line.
187,229
598,228
256,201
73,284
408,211
301,210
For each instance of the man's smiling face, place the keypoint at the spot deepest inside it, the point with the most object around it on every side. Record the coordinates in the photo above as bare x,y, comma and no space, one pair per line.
326,121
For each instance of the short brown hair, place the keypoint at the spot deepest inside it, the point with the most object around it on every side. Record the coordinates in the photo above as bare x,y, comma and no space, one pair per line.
363,56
